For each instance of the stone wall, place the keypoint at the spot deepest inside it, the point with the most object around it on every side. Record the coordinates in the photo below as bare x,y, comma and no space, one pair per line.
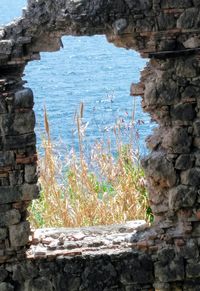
165,31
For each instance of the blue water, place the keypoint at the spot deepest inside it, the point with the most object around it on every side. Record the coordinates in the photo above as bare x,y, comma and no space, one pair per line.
88,70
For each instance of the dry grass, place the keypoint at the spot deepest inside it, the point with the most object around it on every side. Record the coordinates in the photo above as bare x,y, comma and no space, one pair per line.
108,189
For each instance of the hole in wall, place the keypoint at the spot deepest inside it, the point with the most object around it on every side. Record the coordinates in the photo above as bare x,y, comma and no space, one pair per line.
92,72
99,76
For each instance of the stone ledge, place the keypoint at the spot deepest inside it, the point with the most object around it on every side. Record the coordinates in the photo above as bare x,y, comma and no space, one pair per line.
52,242
88,258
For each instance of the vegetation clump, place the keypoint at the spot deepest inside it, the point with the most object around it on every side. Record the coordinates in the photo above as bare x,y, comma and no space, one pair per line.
106,187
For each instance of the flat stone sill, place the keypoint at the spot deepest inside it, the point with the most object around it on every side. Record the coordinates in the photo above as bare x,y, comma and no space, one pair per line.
111,239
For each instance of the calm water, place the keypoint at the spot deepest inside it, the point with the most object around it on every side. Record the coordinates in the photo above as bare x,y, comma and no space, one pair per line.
88,70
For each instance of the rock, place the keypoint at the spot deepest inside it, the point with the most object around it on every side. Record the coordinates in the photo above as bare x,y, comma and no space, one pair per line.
184,162
177,140
160,170
6,287
166,21
38,284
30,173
183,112
24,271
166,255
19,234
10,217
137,89
160,94
197,157
3,274
192,42
182,196
16,178
6,158
153,141
24,122
24,98
3,233
176,4
6,47
193,270
120,25
24,192
188,19
191,177
196,142
186,68
190,93
170,271
196,126
19,142
30,191
190,251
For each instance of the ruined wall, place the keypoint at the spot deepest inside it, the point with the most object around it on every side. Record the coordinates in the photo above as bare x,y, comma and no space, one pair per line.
165,31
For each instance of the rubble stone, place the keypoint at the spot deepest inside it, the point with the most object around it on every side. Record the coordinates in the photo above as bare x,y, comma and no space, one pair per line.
19,234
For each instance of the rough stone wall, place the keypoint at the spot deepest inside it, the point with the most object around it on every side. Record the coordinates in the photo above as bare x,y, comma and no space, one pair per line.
168,33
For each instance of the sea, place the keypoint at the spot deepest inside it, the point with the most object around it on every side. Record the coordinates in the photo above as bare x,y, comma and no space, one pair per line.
88,71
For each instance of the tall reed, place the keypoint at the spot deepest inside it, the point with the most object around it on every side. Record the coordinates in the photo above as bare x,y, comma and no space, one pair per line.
108,187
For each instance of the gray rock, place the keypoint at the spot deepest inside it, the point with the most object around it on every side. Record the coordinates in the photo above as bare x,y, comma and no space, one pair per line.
120,25
171,271
30,174
186,68
188,19
189,93
197,157
24,122
196,142
30,191
197,128
166,255
160,170
38,284
183,112
184,162
6,47
166,21
6,287
191,177
24,98
3,273
19,141
25,192
182,196
3,233
176,4
193,270
19,234
6,158
16,178
10,217
190,251
177,140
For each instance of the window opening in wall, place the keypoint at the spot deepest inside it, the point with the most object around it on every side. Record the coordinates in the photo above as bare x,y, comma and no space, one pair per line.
93,134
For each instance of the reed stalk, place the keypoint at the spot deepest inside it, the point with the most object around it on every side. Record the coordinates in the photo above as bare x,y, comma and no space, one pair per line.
109,189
